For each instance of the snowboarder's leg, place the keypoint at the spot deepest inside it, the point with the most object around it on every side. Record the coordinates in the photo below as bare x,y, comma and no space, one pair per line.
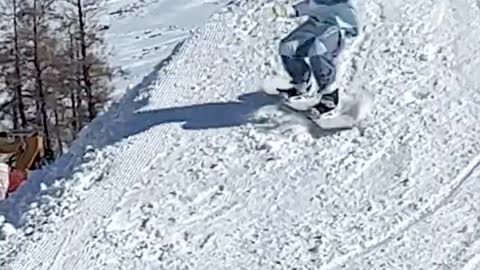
299,71
324,71
322,54
293,50
322,60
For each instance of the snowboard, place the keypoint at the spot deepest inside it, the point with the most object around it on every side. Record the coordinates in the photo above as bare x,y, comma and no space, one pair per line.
352,108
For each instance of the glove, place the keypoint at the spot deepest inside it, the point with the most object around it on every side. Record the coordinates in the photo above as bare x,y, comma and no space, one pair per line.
282,11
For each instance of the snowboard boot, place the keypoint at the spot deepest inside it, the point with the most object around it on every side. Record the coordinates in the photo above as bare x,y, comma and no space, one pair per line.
296,89
327,103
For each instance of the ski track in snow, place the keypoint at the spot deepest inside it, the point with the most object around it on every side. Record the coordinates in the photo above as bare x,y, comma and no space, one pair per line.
196,186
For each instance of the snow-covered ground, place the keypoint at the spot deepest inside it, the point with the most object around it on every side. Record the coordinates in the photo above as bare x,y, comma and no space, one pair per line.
188,171
143,33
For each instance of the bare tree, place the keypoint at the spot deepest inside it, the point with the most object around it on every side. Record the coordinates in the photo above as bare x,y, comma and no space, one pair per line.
82,13
10,9
52,69
37,19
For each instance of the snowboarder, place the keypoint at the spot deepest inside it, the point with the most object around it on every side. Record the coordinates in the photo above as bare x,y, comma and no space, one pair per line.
319,40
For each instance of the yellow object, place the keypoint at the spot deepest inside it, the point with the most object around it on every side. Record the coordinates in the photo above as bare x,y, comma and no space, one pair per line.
28,151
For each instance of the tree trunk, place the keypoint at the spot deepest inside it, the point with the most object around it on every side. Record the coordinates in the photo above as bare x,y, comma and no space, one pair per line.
38,78
74,111
75,122
18,76
57,129
14,116
85,68
78,79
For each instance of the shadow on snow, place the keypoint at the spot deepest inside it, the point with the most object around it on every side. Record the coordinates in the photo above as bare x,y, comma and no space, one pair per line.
200,116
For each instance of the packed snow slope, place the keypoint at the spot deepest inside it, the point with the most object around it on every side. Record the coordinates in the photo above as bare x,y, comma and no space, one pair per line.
142,33
191,171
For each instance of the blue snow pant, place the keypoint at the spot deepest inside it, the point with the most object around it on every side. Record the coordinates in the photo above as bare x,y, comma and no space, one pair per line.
320,43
